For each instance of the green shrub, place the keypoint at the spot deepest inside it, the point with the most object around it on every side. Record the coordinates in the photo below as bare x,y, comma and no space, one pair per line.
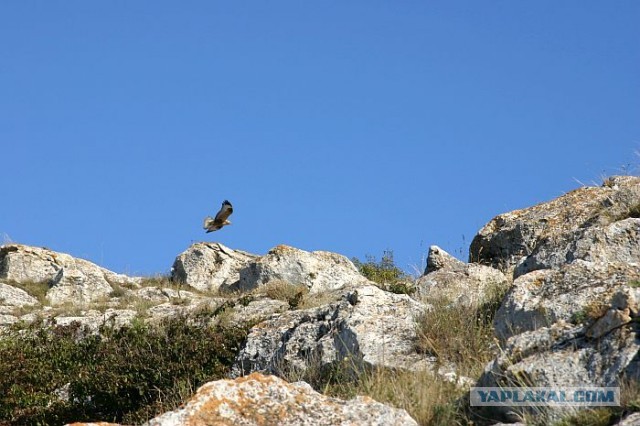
385,273
125,375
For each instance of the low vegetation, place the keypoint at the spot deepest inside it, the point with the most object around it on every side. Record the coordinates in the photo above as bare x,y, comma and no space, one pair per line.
55,375
458,336
606,416
293,294
634,211
461,335
385,273
37,289
58,374
428,399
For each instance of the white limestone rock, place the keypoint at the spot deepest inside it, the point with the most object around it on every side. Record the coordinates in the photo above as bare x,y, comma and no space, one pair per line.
70,279
319,271
258,400
578,225
572,293
369,326
465,284
210,266
15,297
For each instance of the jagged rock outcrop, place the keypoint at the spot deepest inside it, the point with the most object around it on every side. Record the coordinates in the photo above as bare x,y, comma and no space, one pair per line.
438,259
319,270
547,235
368,326
571,293
570,318
562,355
70,279
258,400
210,266
462,283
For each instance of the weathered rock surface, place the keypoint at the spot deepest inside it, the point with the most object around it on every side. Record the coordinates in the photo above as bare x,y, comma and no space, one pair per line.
93,319
572,293
210,266
438,259
630,420
70,279
258,400
570,318
6,319
252,312
562,355
616,242
370,326
545,236
466,284
15,297
318,271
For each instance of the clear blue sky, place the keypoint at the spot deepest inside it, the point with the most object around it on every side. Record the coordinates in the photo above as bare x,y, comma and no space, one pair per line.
348,126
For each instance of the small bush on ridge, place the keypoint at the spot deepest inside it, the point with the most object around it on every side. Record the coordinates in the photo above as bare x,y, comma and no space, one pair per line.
385,272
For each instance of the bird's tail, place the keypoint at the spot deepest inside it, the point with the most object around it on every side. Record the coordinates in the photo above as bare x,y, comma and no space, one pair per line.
207,221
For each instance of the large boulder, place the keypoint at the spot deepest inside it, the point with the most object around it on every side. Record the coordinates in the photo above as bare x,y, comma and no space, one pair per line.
319,270
570,317
368,326
572,293
258,400
615,242
15,297
547,235
563,355
70,279
466,284
210,266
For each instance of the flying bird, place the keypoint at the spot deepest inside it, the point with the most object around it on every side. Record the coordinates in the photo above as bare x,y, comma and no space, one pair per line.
211,224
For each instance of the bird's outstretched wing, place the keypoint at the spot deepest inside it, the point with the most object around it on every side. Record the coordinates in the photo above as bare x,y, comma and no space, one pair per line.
211,224
225,212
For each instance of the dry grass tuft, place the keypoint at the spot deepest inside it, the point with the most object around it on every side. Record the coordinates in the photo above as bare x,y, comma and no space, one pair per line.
293,294
37,289
461,335
428,399
161,281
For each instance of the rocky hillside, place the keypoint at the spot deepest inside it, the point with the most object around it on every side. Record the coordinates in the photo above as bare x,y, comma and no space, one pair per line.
557,284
